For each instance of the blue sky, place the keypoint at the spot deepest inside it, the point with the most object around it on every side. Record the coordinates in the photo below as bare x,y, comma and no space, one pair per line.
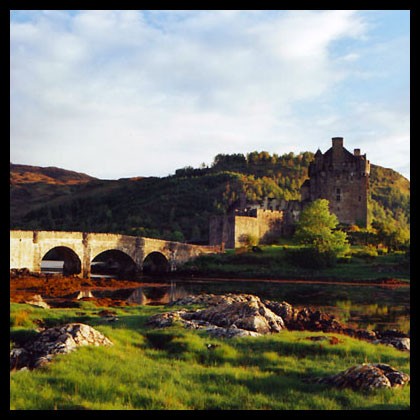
142,93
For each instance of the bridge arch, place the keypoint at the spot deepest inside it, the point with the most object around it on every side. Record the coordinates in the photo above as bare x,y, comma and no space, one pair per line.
71,261
113,262
156,263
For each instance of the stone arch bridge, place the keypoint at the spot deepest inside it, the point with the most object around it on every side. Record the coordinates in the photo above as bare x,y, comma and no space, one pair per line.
79,250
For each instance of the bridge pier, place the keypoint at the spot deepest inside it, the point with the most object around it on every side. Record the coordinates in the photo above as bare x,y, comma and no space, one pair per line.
37,257
86,266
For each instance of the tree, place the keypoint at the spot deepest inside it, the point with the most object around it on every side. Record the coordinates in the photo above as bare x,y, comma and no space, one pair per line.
316,228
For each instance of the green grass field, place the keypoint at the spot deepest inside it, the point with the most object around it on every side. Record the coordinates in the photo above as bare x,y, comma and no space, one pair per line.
173,368
272,263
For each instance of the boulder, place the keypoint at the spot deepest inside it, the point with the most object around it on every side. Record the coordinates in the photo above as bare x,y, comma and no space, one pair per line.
250,315
367,376
37,300
400,343
56,340
236,314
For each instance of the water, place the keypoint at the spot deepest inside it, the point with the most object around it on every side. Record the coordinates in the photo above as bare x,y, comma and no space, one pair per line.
50,266
368,307
55,266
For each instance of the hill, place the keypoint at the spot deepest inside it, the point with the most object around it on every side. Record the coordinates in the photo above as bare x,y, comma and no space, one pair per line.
178,207
26,174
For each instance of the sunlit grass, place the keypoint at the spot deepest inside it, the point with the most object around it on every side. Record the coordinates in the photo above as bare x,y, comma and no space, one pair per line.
180,369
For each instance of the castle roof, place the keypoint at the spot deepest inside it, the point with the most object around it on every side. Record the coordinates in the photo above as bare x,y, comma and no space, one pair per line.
348,156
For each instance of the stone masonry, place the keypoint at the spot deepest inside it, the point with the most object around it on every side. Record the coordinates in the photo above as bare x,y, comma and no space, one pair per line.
337,175
79,249
342,178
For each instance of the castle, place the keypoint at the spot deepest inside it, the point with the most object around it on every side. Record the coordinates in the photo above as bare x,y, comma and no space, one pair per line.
337,175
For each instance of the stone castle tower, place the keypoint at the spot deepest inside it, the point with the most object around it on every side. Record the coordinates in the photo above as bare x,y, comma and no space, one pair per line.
337,175
342,178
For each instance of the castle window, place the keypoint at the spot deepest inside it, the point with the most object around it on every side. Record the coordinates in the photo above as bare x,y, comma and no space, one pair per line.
360,198
338,194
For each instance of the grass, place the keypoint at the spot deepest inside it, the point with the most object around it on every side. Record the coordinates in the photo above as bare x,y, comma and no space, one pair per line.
272,263
174,368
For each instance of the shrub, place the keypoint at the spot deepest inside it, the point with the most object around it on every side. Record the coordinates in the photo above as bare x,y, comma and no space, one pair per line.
310,257
248,239
367,252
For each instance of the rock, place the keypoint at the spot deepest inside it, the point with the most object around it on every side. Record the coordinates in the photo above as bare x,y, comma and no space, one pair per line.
209,299
250,315
400,343
56,340
367,376
37,300
365,334
284,310
227,315
107,315
165,319
231,332
391,333
332,340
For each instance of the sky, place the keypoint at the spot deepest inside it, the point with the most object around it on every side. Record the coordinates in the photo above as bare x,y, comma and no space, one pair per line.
125,93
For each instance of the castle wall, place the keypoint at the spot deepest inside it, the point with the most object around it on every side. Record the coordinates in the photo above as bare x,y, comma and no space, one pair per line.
234,230
244,226
222,231
269,224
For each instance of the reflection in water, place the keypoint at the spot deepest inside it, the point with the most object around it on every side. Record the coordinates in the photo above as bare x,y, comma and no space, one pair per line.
161,295
138,297
373,316
368,307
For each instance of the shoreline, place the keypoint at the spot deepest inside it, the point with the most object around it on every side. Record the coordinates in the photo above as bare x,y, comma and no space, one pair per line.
384,282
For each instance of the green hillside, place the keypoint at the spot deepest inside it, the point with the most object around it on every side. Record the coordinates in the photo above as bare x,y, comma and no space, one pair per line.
178,207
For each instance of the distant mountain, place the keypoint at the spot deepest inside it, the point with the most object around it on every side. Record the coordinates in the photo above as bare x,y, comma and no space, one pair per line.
176,207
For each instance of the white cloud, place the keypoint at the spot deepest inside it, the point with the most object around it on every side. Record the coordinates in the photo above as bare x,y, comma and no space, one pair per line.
124,93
